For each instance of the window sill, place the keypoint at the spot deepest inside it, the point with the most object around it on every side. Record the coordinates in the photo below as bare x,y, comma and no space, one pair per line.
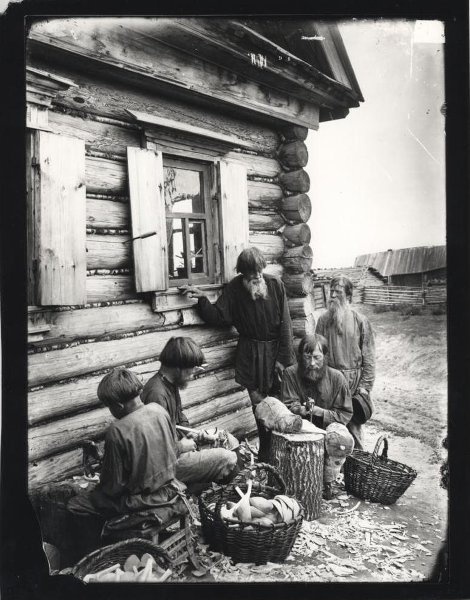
171,299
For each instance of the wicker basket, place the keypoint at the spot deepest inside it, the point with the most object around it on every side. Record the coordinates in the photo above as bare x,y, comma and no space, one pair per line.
376,478
248,542
208,499
118,553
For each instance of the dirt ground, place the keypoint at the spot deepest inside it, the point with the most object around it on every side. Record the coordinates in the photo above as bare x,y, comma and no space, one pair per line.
360,541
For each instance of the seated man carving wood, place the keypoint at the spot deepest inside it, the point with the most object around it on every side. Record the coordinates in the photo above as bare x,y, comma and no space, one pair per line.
180,357
313,389
140,453
316,391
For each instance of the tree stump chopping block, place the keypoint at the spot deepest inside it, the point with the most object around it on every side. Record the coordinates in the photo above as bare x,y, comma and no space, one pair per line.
299,458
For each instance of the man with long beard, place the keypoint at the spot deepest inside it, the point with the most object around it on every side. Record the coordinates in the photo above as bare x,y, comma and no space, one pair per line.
179,359
256,305
312,388
351,346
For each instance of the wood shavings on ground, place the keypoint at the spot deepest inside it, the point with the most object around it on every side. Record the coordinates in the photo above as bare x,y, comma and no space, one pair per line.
356,547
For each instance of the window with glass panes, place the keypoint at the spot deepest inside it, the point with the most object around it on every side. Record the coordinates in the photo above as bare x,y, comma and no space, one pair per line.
188,221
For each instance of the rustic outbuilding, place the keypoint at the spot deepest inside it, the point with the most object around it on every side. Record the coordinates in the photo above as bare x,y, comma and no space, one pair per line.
417,266
157,149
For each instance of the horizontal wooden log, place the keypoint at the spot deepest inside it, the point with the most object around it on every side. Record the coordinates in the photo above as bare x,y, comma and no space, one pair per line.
264,196
265,221
297,235
294,132
293,155
298,284
54,468
56,401
271,246
60,466
217,407
301,308
240,423
297,259
107,214
96,322
98,136
108,251
66,326
297,208
105,288
105,176
67,433
295,181
46,367
301,327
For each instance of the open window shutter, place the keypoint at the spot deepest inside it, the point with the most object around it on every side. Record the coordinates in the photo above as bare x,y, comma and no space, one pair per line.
234,213
146,189
59,239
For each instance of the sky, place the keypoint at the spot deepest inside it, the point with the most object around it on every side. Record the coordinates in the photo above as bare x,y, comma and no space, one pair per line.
378,175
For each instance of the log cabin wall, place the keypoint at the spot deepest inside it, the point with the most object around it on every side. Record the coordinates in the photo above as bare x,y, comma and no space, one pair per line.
71,348
238,84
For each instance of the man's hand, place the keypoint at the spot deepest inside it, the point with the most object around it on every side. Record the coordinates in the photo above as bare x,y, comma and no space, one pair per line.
191,291
187,445
278,369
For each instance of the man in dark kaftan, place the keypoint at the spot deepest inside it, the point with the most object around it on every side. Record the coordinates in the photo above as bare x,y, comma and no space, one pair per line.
351,347
256,305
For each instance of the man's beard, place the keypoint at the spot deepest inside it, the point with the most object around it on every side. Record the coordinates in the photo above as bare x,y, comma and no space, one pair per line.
314,374
257,290
335,314
181,382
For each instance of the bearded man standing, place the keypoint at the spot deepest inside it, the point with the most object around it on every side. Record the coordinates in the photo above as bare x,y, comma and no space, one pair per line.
351,347
256,305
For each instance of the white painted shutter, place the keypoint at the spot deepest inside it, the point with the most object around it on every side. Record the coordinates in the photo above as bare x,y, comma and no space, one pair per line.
59,219
147,200
234,214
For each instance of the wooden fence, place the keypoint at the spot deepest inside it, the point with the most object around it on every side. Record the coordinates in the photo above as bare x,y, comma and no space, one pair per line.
397,294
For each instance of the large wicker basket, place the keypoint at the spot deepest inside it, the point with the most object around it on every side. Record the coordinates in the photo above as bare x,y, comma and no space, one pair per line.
376,478
118,553
248,542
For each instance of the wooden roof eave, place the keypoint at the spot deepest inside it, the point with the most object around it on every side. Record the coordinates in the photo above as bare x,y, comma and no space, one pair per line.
306,83
41,46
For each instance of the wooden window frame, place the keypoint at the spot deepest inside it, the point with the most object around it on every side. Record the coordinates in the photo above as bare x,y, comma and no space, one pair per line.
208,217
